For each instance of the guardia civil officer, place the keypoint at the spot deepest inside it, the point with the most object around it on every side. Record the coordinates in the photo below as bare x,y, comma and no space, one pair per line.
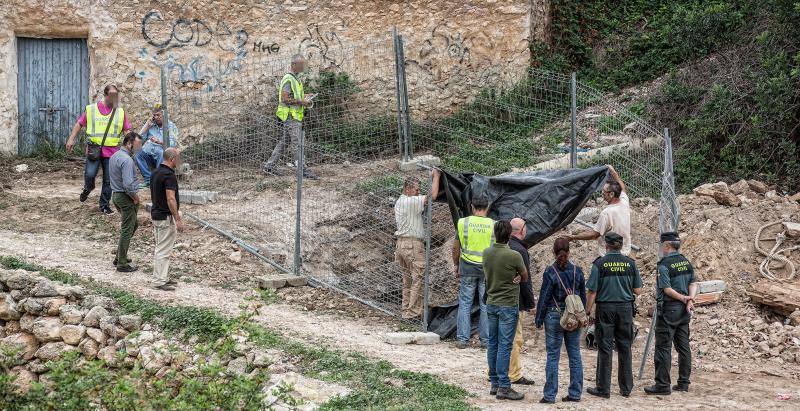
675,298
613,284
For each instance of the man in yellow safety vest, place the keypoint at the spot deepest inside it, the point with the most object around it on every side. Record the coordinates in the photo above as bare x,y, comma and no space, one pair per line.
104,131
292,103
475,234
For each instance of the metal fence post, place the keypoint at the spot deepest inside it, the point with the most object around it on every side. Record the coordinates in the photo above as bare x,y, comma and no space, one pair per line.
400,134
573,92
404,88
164,108
300,169
427,275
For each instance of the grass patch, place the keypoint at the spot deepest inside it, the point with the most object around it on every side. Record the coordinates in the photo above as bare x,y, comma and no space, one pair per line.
374,383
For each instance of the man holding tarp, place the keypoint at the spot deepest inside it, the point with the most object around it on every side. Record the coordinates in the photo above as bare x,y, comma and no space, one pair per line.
615,217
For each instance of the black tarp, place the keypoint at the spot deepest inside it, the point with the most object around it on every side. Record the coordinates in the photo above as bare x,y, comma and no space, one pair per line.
547,200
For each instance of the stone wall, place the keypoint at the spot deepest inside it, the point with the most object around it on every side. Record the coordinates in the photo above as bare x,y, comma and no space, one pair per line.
210,43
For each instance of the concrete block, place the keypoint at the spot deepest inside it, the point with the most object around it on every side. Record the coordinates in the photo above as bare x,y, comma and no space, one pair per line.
296,281
411,164
198,197
426,338
713,286
402,338
270,283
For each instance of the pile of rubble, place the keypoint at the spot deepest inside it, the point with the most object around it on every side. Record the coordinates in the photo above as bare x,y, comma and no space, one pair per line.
41,319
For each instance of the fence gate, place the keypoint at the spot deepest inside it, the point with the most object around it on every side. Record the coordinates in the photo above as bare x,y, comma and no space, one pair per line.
53,88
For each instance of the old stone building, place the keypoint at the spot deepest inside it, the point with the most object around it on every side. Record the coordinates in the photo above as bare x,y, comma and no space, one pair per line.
57,55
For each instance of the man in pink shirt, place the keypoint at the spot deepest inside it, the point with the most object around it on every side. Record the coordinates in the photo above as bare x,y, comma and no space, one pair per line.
103,130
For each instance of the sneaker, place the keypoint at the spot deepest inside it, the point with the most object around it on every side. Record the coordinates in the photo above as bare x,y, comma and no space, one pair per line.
681,388
115,261
461,345
546,401
172,282
307,174
493,390
523,381
84,195
509,394
127,268
597,393
165,287
107,210
570,399
625,394
655,390
144,185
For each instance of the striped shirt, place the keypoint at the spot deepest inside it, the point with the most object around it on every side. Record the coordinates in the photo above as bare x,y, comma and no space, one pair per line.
408,216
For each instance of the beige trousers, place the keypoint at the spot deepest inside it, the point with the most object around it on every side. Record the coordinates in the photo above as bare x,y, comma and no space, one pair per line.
410,256
165,233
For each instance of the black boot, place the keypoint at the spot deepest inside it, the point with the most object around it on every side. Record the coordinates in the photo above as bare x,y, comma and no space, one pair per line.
656,390
597,393
679,387
509,394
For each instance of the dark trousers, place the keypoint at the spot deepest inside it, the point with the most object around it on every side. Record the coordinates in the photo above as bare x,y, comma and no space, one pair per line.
90,173
130,223
672,326
614,323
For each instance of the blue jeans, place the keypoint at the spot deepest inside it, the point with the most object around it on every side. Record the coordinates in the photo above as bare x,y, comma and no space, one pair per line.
90,173
146,160
554,335
466,296
502,326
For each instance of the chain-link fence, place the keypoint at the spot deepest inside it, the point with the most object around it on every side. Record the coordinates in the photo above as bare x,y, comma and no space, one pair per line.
372,110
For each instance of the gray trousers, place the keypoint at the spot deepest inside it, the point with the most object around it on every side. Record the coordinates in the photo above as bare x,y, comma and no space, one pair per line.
291,132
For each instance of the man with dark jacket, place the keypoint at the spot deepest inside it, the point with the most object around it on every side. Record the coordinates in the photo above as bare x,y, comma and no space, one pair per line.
526,302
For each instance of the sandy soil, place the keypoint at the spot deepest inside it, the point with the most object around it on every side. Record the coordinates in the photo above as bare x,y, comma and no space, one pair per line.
41,220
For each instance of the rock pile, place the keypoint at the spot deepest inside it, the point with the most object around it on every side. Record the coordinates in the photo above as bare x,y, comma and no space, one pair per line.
41,319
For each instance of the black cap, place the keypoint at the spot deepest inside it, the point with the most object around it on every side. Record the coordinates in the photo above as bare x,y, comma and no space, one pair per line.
612,237
670,236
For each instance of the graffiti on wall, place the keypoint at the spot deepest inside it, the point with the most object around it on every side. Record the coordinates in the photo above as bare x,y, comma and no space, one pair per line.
446,55
183,32
321,48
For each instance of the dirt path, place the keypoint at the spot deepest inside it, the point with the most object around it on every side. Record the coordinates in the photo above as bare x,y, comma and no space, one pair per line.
715,385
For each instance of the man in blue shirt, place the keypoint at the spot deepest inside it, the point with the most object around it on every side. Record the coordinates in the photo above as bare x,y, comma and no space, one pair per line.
152,152
125,196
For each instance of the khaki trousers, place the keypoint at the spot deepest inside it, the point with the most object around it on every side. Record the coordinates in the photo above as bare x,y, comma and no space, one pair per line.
165,233
515,366
410,256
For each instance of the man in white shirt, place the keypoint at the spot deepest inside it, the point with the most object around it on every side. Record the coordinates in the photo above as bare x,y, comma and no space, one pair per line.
615,217
410,252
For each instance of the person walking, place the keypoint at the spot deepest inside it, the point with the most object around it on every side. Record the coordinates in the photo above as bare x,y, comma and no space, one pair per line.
616,216
125,196
166,216
504,270
613,284
561,279
675,294
106,124
292,103
410,249
474,234
152,153
526,302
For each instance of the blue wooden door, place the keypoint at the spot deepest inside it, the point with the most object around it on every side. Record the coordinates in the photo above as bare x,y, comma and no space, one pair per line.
52,89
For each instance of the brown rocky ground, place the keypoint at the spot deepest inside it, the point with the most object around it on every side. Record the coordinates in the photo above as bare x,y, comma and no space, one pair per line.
43,222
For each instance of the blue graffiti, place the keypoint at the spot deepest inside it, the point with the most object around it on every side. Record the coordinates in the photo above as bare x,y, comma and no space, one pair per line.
199,69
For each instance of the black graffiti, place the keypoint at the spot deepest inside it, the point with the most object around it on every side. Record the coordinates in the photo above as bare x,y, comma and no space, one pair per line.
183,32
266,47
319,45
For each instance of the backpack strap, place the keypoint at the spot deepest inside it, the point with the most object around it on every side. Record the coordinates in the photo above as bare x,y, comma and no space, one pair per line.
568,291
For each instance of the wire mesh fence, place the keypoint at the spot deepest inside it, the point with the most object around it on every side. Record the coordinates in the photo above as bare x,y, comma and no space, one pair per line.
364,121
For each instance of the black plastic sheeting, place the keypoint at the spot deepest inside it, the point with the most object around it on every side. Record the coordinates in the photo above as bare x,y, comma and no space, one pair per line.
547,200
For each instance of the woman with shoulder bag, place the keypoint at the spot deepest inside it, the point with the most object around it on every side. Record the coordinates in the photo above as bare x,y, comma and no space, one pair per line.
562,316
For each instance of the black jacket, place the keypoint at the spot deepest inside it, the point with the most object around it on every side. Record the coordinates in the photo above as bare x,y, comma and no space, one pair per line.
526,299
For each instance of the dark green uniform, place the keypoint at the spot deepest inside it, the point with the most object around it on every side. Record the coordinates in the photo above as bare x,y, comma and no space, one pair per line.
672,324
613,278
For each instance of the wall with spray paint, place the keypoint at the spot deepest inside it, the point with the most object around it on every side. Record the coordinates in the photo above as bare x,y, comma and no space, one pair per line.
205,45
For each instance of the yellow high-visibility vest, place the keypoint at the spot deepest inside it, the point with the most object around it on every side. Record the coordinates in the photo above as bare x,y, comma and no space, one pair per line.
475,234
96,124
297,91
